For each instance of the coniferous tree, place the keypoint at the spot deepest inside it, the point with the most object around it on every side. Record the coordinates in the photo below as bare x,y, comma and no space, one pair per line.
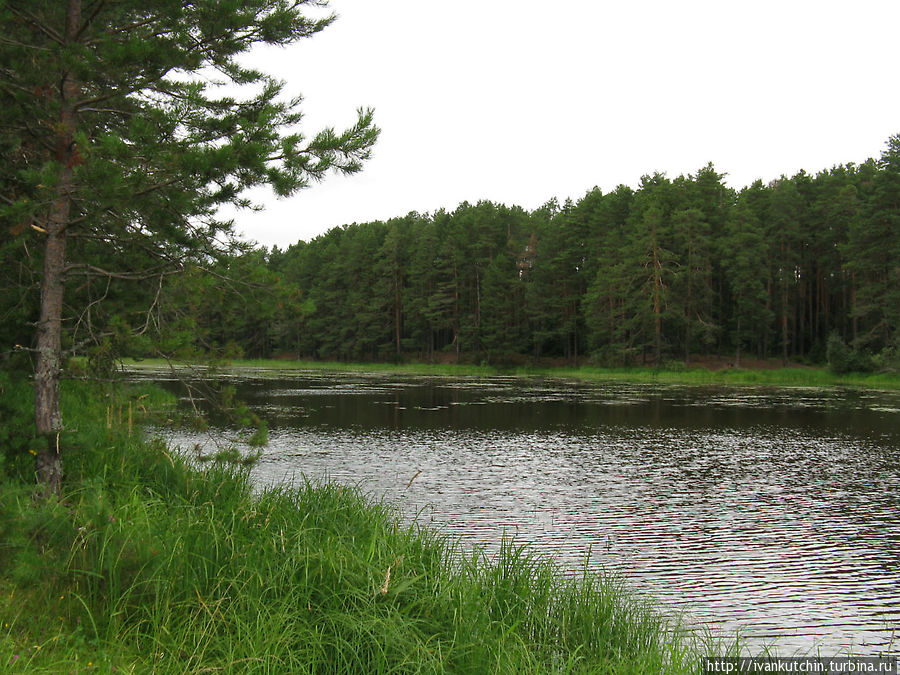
606,294
390,267
500,302
126,156
873,256
743,247
833,206
706,192
652,296
650,267
444,305
541,298
693,283
784,237
421,324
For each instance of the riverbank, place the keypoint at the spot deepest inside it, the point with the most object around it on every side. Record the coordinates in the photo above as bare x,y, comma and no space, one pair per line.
149,563
770,375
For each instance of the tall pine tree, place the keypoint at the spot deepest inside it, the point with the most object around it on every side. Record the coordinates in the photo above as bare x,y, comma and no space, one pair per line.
126,153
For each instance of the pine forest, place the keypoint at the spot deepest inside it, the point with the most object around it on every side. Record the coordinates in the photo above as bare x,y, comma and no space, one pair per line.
797,269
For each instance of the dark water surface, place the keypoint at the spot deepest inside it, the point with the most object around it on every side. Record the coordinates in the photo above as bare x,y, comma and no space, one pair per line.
775,511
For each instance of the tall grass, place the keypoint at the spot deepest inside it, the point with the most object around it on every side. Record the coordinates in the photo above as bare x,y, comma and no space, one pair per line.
150,564
786,377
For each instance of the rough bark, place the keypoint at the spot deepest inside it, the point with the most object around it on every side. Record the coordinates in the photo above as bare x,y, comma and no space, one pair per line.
47,417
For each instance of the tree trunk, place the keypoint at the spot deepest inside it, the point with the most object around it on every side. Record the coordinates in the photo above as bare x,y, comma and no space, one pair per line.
657,321
689,308
769,294
456,310
47,418
784,324
575,334
397,312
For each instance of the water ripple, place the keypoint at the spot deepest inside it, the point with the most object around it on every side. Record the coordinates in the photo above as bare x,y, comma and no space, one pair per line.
769,510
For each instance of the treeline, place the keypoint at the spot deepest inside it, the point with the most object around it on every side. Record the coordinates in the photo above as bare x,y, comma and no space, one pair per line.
673,269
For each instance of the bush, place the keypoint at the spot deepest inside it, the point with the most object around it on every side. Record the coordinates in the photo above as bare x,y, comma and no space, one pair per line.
887,361
843,359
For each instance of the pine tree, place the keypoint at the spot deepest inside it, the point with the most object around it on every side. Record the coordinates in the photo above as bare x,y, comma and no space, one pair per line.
557,283
390,267
650,269
606,295
873,256
693,284
743,247
784,235
124,152
500,304
652,299
423,279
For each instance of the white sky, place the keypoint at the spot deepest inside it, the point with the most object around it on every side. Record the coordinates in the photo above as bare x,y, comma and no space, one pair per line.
518,101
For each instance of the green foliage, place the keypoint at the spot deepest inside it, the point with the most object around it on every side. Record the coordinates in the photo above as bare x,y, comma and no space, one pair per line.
872,249
119,151
743,247
887,360
843,359
675,268
260,435
16,428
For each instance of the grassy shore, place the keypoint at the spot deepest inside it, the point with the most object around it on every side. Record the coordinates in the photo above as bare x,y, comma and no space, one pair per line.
770,376
149,564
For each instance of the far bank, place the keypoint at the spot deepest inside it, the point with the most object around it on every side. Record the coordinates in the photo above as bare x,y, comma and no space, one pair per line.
713,372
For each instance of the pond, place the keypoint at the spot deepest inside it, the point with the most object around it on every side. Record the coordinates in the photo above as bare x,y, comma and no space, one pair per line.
775,511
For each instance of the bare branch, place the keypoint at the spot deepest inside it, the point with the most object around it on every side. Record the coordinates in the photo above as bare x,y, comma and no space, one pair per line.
94,271
85,315
87,22
40,25
152,306
16,43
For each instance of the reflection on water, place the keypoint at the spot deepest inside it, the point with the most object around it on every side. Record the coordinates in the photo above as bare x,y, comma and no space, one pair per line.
776,511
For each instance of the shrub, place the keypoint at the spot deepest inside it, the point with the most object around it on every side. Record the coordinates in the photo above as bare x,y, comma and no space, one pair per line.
844,359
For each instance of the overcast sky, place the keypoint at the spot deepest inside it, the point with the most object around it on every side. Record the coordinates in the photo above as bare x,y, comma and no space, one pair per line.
518,101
